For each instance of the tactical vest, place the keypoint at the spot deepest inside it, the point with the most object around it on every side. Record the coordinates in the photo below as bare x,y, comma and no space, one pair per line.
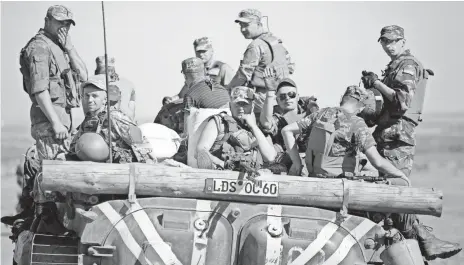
279,59
65,79
415,110
214,72
318,160
235,145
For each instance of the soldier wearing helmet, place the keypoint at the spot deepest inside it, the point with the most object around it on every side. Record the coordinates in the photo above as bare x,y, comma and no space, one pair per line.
403,90
127,142
336,134
227,140
264,50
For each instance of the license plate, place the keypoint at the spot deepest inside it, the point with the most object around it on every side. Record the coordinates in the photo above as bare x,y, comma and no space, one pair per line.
242,187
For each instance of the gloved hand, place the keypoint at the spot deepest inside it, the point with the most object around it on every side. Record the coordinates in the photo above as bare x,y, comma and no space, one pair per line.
271,78
368,79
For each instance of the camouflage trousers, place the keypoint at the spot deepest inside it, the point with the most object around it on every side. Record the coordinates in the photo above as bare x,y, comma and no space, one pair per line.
47,148
401,155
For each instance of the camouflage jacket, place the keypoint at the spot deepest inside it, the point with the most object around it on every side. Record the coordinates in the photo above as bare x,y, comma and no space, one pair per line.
127,142
401,75
351,132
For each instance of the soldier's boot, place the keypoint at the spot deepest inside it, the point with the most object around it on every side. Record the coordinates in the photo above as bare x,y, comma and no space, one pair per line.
432,247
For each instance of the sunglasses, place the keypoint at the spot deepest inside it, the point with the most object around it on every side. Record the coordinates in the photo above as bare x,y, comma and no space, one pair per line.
291,94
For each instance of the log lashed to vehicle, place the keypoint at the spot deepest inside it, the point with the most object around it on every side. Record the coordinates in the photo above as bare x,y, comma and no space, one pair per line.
165,181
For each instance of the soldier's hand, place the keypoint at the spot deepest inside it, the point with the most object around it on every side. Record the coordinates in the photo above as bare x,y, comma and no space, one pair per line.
167,100
61,132
368,79
250,119
65,39
271,80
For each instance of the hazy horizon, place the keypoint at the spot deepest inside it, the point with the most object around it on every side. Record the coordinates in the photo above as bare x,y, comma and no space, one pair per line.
331,43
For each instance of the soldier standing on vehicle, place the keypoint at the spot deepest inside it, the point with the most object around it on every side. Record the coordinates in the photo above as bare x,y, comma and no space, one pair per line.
52,70
217,71
403,90
127,102
264,50
230,142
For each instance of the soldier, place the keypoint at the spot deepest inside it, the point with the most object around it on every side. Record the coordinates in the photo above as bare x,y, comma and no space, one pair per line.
128,144
264,50
403,90
52,70
331,152
201,93
217,71
127,103
234,142
290,108
51,67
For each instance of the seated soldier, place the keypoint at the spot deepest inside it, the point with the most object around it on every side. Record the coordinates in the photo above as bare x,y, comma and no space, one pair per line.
128,144
234,142
336,134
290,108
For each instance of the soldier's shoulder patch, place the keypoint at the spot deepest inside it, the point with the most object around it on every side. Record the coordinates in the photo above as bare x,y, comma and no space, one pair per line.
410,70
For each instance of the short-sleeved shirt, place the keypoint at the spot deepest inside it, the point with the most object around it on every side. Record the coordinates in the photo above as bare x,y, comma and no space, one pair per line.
127,94
401,75
39,70
220,73
351,132
278,122
206,95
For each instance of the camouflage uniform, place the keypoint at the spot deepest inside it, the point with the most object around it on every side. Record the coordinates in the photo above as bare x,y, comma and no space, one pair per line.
128,144
351,132
40,73
395,133
257,56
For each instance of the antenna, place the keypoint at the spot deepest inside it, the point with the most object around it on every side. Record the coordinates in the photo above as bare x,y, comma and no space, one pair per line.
107,86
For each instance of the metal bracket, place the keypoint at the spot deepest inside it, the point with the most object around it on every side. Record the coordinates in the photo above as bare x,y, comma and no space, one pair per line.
101,251
343,214
132,174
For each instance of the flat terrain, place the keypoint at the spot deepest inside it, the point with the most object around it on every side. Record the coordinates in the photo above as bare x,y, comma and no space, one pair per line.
439,164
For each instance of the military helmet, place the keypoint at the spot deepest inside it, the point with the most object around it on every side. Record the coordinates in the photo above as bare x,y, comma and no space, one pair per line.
92,147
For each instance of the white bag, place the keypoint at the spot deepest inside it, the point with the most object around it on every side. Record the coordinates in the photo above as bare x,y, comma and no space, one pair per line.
164,141
196,123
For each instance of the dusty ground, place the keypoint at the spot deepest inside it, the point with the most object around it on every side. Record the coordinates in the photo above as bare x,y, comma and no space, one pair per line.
439,164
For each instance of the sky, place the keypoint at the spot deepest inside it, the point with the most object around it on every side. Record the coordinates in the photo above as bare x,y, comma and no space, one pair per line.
330,42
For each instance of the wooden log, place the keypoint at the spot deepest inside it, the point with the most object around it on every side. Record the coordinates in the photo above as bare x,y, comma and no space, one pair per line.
165,181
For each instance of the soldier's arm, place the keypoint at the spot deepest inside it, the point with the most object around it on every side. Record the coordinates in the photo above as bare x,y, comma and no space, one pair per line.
77,64
38,58
366,144
247,66
404,86
206,141
267,119
228,74
288,134
265,146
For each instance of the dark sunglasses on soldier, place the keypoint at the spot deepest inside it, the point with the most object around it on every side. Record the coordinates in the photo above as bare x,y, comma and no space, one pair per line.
291,94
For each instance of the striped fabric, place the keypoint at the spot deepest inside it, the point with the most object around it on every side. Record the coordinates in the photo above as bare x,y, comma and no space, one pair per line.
141,243
203,96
